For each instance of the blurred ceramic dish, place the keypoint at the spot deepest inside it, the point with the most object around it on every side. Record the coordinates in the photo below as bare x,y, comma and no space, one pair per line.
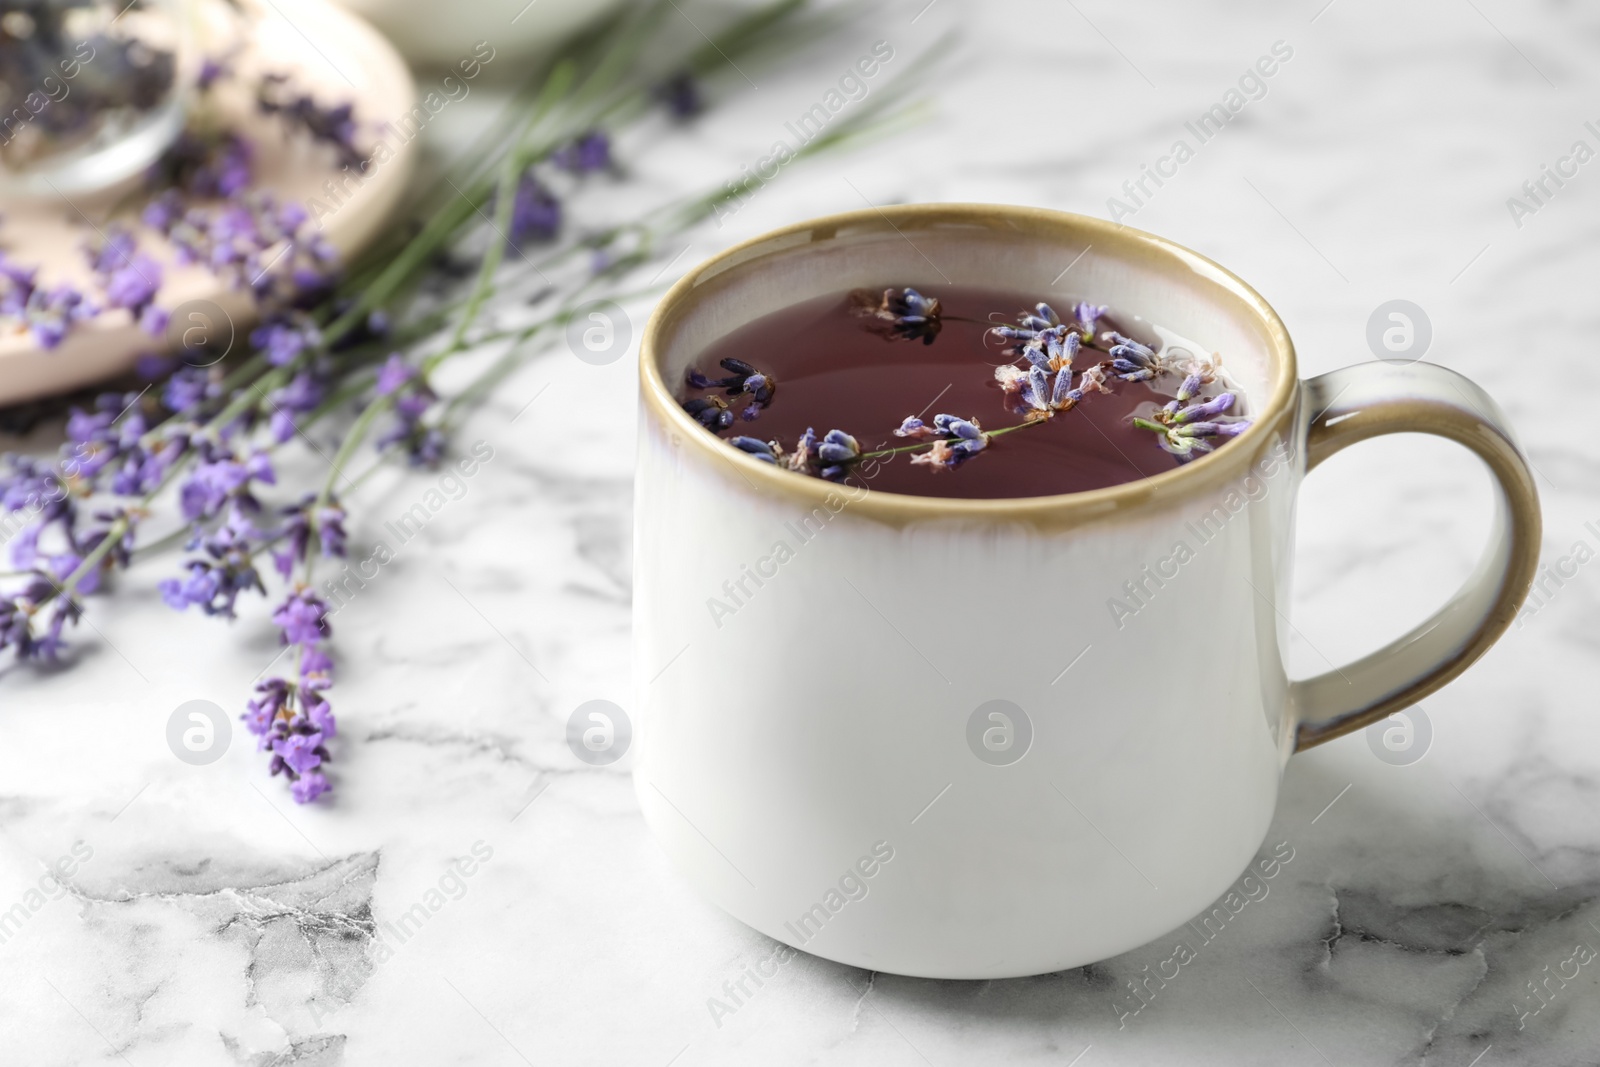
348,62
435,34
91,91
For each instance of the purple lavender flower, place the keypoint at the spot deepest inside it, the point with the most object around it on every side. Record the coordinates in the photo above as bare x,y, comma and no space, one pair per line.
29,483
1052,350
331,125
831,457
221,478
955,440
804,457
111,436
188,388
744,380
837,453
1046,396
213,582
134,286
301,396
214,589
261,712
428,448
113,252
394,373
52,313
205,164
413,398
303,618
1089,316
712,412
293,719
299,751
756,447
119,554
1202,412
212,69
898,314
681,94
308,788
251,241
1031,325
19,612
128,277
16,287
321,716
283,337
535,211
1132,361
164,212
1186,430
585,154
326,521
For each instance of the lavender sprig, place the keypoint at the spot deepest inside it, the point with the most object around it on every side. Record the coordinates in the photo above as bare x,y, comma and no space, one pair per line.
955,440
1185,429
201,441
291,717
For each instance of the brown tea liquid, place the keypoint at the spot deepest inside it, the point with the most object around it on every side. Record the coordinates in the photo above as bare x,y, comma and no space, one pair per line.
833,372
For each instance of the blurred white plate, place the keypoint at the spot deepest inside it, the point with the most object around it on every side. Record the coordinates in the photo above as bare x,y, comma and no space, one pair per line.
440,34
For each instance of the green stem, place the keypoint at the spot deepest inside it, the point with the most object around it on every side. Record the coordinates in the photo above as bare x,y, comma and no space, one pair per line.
351,442
115,532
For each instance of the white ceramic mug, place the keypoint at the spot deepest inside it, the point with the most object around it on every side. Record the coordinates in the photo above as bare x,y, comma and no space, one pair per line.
920,735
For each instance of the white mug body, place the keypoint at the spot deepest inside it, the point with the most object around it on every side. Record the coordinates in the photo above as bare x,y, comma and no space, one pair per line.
964,739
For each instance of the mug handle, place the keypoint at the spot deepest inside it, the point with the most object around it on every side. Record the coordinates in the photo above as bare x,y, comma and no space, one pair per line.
1371,399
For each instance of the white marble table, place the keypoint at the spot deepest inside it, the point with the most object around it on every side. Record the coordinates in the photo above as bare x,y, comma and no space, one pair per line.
215,922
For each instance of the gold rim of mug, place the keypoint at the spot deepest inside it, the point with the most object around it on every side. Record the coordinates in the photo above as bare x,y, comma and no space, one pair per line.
1206,473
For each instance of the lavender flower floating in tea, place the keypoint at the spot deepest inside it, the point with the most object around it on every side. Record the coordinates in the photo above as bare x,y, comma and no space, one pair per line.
1122,400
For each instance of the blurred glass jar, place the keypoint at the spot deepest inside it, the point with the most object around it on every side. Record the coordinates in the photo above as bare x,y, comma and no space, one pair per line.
91,91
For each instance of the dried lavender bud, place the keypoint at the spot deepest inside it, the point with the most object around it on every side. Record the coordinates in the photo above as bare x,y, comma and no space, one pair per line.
535,211
958,440
710,411
681,95
899,314
585,154
756,447
1132,361
1089,316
